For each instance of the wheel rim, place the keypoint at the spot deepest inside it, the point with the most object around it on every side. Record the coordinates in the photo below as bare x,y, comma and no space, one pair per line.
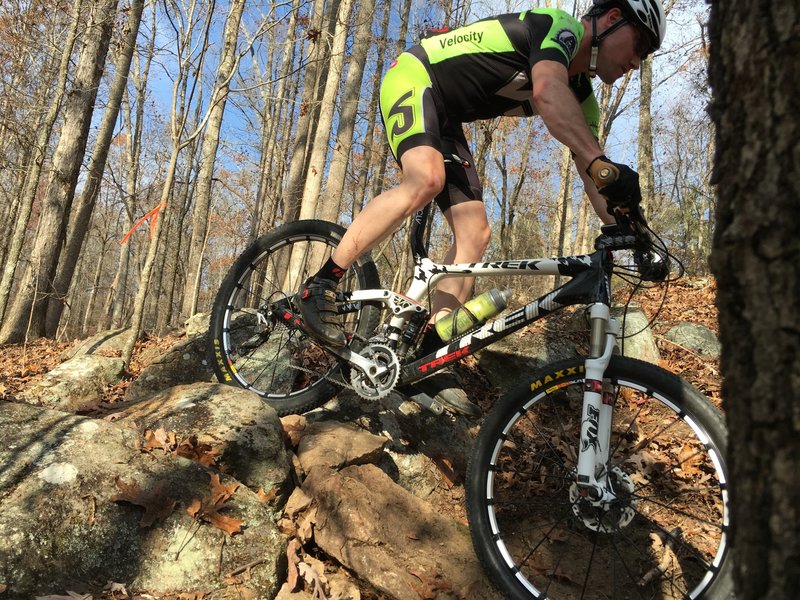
263,354
676,492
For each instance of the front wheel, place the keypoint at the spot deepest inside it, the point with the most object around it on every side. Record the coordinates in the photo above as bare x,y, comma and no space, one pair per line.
666,534
254,345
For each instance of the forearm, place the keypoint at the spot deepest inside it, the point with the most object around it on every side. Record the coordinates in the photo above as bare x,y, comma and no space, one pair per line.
556,104
599,203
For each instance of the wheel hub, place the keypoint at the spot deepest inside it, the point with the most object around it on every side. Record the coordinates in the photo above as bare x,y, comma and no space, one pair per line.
381,378
604,515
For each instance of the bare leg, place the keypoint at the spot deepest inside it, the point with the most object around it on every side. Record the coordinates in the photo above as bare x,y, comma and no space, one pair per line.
471,235
423,179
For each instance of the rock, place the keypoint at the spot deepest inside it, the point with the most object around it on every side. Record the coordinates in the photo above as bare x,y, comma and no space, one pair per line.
696,338
184,363
76,385
109,342
391,539
197,325
335,445
63,523
636,336
415,472
519,355
235,420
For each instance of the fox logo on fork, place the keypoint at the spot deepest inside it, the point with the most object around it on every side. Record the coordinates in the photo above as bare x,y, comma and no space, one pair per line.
593,416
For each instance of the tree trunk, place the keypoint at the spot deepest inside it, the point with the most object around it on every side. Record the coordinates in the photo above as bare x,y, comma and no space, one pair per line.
225,72
272,118
756,258
39,151
372,114
26,317
334,189
645,154
319,148
293,191
383,151
79,220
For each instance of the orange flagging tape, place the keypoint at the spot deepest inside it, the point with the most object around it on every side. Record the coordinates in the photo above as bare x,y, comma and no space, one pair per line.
153,213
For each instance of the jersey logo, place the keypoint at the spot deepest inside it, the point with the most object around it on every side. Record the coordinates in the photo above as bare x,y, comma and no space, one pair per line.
567,40
404,113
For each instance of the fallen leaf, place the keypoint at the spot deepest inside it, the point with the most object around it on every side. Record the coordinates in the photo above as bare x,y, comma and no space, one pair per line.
267,496
159,439
207,509
200,452
293,557
157,503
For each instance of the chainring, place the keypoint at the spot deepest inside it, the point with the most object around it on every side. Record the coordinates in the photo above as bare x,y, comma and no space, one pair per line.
383,357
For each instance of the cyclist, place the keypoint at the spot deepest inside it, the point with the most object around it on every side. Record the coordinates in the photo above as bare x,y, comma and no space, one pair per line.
538,61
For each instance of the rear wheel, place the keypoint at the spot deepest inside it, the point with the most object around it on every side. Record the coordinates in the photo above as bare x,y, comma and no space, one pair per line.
666,534
250,343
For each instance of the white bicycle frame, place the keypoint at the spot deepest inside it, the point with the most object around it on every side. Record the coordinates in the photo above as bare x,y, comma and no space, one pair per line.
597,411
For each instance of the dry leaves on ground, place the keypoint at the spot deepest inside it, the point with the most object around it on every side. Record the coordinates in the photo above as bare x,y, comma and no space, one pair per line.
208,508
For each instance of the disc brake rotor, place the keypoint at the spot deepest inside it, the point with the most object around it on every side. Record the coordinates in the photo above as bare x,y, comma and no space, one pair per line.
605,516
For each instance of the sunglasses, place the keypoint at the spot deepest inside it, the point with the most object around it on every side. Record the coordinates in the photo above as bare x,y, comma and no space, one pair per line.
642,46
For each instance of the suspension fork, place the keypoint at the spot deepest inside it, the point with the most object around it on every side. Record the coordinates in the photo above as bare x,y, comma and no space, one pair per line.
596,418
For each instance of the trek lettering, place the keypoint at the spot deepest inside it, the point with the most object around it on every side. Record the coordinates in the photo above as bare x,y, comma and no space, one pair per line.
442,360
472,36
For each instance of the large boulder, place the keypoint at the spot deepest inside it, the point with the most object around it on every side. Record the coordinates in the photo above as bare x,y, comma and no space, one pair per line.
184,363
696,338
390,538
108,343
76,385
81,502
233,424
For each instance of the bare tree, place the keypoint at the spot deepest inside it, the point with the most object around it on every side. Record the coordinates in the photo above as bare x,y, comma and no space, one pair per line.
39,151
27,314
80,217
225,71
319,148
352,88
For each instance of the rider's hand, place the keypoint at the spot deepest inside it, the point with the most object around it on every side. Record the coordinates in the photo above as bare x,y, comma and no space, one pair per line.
618,183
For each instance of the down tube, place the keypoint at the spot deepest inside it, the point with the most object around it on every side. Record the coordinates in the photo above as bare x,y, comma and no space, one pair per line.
585,288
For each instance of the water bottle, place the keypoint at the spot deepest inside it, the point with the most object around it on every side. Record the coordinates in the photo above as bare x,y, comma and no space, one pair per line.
472,314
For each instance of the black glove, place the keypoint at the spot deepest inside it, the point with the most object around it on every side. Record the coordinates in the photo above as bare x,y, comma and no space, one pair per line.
619,184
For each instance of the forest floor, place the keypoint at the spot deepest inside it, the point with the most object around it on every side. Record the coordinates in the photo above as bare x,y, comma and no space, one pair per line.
691,300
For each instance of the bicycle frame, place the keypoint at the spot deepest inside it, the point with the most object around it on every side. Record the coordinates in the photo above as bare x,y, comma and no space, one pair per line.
590,285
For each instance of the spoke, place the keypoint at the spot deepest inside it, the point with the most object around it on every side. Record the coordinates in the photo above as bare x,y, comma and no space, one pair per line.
564,516
625,567
679,511
658,527
546,440
589,566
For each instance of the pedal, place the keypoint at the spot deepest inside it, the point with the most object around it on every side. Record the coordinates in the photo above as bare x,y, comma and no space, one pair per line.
426,401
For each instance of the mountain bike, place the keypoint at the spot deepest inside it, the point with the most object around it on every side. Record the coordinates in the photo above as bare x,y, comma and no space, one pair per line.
601,477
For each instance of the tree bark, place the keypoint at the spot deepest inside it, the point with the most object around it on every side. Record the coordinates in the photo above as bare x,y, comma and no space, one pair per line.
645,152
334,189
756,258
227,67
26,316
39,151
319,148
372,114
79,220
293,191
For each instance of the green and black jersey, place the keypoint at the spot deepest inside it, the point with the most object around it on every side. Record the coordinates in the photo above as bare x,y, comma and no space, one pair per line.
479,71
483,70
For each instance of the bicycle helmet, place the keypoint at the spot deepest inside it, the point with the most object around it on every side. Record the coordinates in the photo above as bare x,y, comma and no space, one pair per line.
646,15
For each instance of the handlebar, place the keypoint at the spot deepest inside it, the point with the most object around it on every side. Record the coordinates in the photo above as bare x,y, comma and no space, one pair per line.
631,232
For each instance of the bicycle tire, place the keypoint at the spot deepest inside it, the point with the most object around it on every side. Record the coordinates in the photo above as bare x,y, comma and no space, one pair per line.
538,538
247,348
